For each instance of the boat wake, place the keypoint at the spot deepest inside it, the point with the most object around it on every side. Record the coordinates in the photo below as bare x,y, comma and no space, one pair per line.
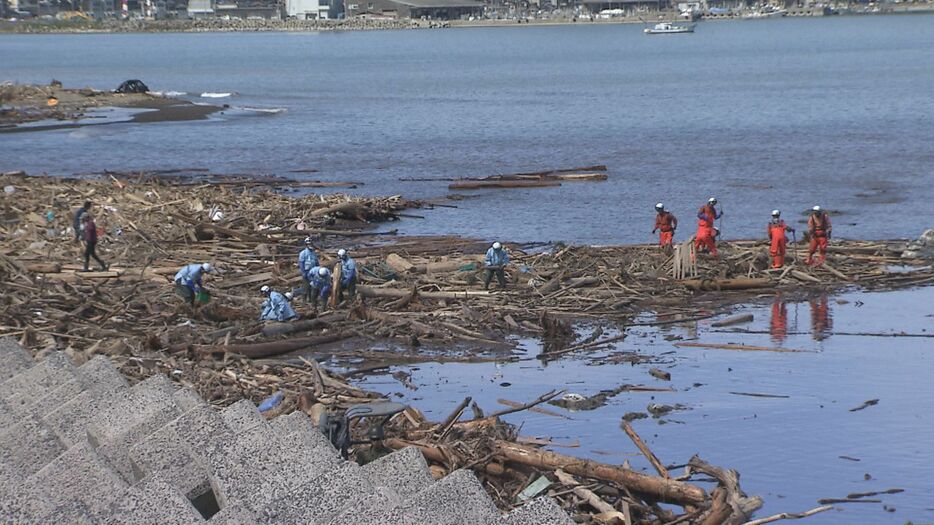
209,94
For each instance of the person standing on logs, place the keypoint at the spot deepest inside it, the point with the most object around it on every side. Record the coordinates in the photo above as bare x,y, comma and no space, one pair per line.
89,231
495,263
665,224
320,282
77,223
348,276
188,281
777,238
307,260
706,233
819,229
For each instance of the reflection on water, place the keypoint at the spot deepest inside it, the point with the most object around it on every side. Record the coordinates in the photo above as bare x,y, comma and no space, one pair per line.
821,319
778,325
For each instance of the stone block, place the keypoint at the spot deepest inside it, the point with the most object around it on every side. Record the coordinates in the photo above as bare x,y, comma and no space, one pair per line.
79,475
28,446
321,499
37,381
455,499
153,501
405,472
70,420
14,359
242,416
540,511
234,515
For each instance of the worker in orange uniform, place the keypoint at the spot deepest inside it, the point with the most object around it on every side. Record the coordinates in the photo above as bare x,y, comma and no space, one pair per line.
665,224
819,230
776,232
706,234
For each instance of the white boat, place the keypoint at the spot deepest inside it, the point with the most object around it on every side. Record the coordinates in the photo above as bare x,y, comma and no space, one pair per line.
665,28
766,12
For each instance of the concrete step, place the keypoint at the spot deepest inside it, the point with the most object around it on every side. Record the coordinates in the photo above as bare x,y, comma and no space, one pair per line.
234,515
80,475
28,446
130,418
539,511
320,499
14,359
170,451
379,509
405,472
458,498
242,416
98,372
37,381
153,501
71,419
296,432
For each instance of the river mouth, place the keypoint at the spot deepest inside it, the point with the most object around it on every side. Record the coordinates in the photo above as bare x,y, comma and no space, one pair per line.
785,420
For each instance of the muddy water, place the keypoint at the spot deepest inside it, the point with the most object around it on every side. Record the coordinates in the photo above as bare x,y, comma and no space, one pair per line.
788,449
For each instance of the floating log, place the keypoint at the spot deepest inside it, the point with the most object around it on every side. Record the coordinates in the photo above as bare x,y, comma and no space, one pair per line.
736,319
741,283
399,263
396,293
747,348
480,185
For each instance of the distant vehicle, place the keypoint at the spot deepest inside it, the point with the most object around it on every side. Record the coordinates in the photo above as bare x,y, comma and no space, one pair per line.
666,28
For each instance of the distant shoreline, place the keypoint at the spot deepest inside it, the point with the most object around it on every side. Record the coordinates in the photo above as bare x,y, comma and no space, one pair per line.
294,26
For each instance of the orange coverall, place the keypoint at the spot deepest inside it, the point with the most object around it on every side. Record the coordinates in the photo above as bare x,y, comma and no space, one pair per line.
819,229
666,223
705,232
776,231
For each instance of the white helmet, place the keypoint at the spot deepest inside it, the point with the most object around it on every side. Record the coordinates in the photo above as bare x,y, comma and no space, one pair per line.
207,267
776,213
288,296
322,271
660,207
341,253
815,208
712,200
307,240
265,289
497,245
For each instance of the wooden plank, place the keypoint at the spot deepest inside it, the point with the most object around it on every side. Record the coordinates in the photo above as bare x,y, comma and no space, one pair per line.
247,279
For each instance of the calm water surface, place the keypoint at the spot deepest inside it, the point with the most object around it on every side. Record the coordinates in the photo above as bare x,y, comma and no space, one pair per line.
786,449
763,114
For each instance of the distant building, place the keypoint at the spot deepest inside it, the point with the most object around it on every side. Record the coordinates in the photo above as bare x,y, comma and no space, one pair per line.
433,9
308,9
200,8
628,6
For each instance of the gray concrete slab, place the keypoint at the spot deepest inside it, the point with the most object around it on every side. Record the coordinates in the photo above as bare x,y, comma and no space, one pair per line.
153,501
242,416
187,399
173,451
70,420
28,446
45,376
457,498
13,358
539,511
240,464
405,472
380,509
234,515
321,499
79,475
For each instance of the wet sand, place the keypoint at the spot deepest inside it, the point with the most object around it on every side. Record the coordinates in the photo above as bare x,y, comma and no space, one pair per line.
26,108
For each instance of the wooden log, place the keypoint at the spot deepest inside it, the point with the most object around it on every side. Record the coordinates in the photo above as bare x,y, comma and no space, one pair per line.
244,280
505,184
801,276
660,374
351,208
43,267
790,515
599,505
659,467
396,293
273,348
735,319
276,329
666,490
746,348
741,283
399,263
